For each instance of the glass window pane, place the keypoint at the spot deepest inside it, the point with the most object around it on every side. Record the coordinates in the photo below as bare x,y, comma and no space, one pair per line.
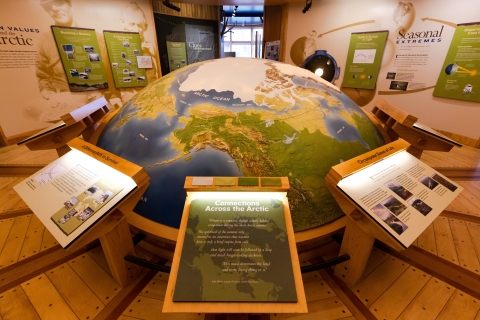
241,34
226,37
226,47
242,50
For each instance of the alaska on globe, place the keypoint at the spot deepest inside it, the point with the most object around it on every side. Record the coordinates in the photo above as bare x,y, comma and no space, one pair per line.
240,117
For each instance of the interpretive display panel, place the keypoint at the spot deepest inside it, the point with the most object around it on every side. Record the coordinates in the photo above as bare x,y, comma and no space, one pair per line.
401,193
123,50
72,193
236,249
364,58
80,54
458,78
177,55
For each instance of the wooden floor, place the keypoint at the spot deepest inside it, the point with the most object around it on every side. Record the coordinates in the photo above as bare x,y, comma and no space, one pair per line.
80,286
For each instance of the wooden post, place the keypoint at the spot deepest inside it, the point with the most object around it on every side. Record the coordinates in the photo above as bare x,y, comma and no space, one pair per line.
358,244
116,244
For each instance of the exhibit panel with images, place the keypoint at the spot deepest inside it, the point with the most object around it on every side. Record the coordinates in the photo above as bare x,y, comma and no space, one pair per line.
401,193
200,38
419,36
177,55
80,54
33,77
365,55
460,76
123,50
79,189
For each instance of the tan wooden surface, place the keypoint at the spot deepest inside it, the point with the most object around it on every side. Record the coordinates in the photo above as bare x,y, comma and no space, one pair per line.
46,299
358,245
331,308
444,240
48,241
467,257
58,138
377,257
82,300
393,112
460,306
5,226
372,286
99,257
132,170
33,238
14,305
21,155
426,240
116,244
13,244
402,291
428,303
97,279
199,11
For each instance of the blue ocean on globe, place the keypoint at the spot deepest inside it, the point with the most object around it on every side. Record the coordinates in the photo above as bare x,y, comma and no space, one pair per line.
240,117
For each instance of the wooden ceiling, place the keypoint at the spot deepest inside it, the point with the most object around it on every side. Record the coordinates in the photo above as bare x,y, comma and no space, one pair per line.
239,2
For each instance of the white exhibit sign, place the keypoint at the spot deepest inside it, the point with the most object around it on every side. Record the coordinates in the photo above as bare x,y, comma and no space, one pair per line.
402,194
144,62
72,193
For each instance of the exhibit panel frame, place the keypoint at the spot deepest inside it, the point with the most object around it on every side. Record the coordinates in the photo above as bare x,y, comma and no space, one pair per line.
109,223
377,170
235,307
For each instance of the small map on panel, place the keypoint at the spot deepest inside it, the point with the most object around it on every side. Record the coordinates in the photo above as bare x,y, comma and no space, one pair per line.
49,173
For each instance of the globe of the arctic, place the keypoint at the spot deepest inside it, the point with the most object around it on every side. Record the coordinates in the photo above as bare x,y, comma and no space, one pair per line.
240,117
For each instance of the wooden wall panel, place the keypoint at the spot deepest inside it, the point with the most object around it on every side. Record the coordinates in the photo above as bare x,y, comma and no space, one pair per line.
272,25
187,10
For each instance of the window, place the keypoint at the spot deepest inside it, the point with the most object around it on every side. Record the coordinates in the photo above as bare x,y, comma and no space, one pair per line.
241,40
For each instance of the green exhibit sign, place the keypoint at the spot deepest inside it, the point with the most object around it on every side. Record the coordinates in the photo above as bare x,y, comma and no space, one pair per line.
123,49
80,54
459,78
364,58
177,55
236,249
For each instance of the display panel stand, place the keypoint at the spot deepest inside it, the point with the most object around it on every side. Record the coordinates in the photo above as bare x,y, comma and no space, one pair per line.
198,188
90,168
360,231
82,121
399,123
388,195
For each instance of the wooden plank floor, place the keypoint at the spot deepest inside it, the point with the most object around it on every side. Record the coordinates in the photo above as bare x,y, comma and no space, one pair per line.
21,155
464,157
393,289
10,201
22,237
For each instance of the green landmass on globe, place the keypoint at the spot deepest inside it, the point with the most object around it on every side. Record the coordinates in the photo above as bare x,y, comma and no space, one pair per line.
261,118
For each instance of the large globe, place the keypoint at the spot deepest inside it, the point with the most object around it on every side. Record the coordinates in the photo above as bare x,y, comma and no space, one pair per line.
240,117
